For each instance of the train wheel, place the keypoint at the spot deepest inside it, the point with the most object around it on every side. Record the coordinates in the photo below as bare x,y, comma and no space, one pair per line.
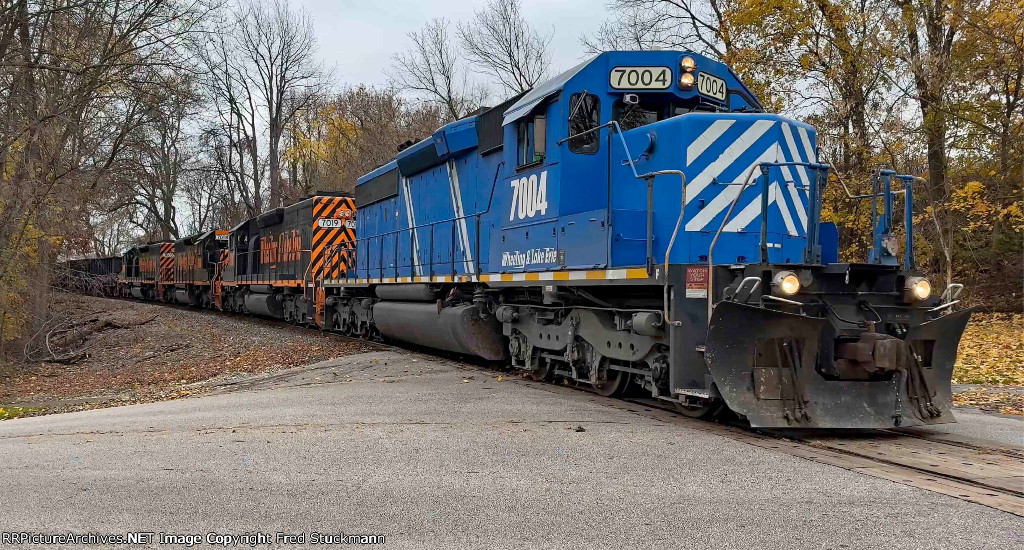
611,382
703,409
543,371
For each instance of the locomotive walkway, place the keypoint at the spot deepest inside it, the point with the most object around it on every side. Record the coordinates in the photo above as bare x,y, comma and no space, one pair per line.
434,454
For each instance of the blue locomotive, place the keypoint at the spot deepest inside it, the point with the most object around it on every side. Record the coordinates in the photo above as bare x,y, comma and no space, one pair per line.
639,223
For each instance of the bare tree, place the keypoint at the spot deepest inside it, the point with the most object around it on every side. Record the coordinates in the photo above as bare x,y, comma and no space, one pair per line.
643,25
372,123
69,77
233,137
160,156
432,69
504,45
696,25
277,46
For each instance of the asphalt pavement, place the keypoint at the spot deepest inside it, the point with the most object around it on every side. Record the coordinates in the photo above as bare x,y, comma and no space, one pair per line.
435,455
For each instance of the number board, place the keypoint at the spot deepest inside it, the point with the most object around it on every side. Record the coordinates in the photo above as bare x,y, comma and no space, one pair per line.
711,86
328,223
640,78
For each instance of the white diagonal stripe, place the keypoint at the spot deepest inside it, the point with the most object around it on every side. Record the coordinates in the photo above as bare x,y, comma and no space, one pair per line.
725,198
798,203
747,215
753,211
808,149
801,171
705,140
460,216
793,152
411,215
783,209
731,153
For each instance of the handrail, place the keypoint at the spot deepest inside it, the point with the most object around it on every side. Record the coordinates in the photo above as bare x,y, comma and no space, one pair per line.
413,261
765,167
714,241
679,222
908,211
649,177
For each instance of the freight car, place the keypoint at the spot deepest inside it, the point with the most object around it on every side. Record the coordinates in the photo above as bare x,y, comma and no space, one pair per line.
640,222
98,276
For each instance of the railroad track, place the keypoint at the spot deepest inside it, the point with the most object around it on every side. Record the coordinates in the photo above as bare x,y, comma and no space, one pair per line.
981,472
968,469
984,473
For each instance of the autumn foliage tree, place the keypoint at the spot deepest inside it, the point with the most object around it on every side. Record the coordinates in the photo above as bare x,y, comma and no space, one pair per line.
353,132
927,87
71,78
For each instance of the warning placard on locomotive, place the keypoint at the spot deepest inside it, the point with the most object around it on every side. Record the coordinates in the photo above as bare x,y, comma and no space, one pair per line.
697,282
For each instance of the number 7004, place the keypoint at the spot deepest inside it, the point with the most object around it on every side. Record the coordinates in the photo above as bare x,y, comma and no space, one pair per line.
529,196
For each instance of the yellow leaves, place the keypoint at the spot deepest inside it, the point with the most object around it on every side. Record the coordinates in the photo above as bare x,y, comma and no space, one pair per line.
1004,402
1013,217
970,200
992,351
322,136
8,413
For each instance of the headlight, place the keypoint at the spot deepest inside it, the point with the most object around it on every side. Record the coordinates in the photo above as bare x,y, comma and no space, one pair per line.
686,81
688,64
786,282
918,288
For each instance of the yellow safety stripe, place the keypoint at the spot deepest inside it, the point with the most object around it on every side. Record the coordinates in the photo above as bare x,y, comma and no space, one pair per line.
581,275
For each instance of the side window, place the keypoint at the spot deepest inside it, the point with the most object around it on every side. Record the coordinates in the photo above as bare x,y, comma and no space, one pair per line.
532,140
635,115
584,114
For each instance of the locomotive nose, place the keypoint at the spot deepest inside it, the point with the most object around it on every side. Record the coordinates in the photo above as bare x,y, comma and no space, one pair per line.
773,367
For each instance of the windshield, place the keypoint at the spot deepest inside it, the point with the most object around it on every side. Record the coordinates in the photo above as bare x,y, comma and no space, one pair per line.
651,109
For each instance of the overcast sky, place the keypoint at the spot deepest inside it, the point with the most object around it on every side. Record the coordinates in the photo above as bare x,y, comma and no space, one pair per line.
359,37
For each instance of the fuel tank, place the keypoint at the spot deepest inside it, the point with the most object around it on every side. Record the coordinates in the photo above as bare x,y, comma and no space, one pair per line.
459,329
406,293
182,297
264,304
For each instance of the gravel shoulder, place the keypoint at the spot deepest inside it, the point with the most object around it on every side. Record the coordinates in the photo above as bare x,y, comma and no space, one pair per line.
152,352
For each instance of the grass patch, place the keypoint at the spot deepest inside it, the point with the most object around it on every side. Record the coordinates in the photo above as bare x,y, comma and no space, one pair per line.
8,413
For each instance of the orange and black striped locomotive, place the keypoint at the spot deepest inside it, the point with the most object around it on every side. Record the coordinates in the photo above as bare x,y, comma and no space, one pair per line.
197,267
149,271
275,263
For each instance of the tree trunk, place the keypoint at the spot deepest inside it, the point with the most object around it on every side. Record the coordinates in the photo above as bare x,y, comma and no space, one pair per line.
275,166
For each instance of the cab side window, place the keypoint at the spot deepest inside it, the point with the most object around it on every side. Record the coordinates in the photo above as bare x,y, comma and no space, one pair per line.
532,140
635,115
584,115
